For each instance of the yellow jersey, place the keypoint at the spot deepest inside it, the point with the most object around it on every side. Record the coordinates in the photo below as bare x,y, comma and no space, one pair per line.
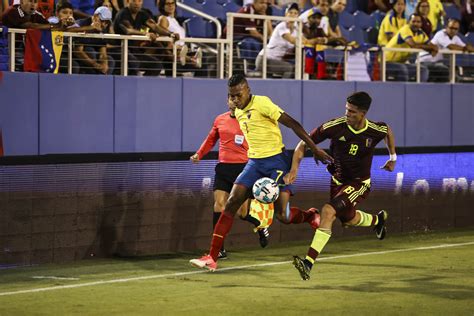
259,123
390,26
436,11
399,41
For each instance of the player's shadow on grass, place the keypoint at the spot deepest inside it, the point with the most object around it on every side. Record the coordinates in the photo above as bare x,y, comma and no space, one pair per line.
426,285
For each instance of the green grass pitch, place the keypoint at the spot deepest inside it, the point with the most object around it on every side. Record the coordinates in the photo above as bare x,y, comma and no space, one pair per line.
411,274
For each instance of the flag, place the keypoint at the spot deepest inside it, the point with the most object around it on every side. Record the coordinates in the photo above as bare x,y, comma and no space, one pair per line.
4,50
309,55
262,212
320,62
43,50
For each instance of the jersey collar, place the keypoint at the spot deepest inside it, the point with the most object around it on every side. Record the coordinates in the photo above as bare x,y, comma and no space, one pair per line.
361,130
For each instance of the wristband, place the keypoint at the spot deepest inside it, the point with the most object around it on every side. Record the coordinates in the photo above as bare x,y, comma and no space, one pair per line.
393,157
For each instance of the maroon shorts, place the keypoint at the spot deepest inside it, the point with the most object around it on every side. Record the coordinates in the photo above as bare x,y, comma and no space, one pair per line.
346,196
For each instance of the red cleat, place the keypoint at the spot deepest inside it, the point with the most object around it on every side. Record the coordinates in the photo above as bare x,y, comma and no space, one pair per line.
205,262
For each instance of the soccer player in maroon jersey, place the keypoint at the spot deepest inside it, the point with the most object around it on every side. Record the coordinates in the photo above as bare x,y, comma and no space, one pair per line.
353,140
232,160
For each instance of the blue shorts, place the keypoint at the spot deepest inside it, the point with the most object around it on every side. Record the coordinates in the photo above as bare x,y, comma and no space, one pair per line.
274,167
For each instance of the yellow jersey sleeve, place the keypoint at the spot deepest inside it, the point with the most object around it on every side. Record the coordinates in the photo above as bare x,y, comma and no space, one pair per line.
270,109
389,27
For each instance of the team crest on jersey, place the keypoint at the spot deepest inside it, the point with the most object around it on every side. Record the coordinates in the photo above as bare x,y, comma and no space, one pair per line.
368,142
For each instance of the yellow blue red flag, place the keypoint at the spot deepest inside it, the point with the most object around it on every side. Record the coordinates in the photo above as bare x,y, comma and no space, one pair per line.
43,50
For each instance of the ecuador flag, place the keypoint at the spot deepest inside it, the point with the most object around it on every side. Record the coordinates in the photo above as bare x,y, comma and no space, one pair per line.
43,50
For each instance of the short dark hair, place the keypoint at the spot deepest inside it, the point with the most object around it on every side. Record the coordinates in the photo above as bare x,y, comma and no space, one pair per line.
360,99
64,5
236,80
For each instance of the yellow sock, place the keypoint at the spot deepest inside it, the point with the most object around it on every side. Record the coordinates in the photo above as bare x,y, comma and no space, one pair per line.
367,219
321,238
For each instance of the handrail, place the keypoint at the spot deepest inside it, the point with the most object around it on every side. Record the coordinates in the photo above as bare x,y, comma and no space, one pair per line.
125,44
298,45
451,53
204,15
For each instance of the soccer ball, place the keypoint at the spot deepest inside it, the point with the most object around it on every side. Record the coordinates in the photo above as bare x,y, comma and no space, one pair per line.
266,190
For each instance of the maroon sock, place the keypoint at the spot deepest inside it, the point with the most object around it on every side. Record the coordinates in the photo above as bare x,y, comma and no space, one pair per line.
221,230
297,216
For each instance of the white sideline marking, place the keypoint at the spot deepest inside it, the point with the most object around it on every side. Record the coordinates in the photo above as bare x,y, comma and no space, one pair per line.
159,276
53,277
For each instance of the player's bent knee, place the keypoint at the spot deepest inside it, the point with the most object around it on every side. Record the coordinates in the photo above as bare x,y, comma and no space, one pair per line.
328,211
338,204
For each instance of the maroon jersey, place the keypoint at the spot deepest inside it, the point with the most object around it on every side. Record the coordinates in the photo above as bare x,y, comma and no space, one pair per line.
352,150
15,17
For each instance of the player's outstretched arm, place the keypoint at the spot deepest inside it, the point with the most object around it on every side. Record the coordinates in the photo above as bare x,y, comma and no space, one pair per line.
318,153
298,155
390,142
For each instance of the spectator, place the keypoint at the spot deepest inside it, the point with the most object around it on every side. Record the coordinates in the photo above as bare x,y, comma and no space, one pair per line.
444,39
114,5
437,14
423,9
91,53
134,20
373,5
393,22
314,35
64,16
168,21
64,19
281,45
409,36
467,17
252,27
24,16
322,7
333,15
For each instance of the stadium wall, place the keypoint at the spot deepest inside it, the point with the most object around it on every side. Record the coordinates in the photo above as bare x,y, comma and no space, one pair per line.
49,114
66,212
70,211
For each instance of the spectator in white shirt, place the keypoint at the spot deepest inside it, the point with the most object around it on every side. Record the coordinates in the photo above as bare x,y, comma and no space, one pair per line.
281,44
444,39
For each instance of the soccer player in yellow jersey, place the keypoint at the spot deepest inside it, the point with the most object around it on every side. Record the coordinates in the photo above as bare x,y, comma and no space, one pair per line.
258,118
353,140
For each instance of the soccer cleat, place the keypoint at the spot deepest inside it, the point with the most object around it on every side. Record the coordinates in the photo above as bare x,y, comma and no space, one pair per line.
222,254
302,268
315,219
205,262
263,235
380,229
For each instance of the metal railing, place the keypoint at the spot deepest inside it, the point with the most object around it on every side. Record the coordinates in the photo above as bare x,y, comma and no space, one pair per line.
223,46
298,45
124,39
452,61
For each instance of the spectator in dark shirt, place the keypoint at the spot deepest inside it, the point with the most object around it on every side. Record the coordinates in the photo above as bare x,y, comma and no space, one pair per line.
467,17
24,16
134,20
252,27
423,9
91,53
